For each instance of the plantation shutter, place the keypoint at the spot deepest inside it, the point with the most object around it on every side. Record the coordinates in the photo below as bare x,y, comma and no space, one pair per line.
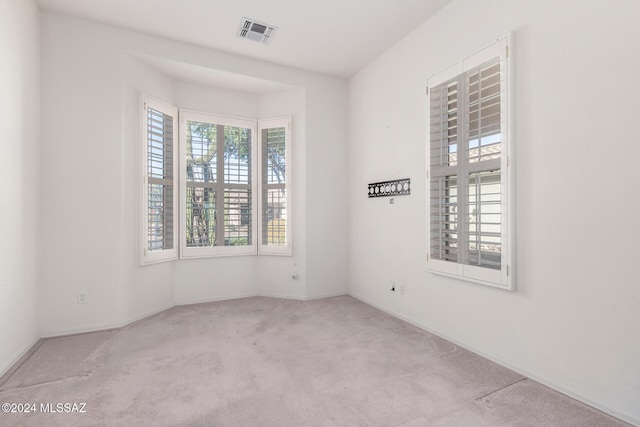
218,185
444,171
467,179
159,211
275,176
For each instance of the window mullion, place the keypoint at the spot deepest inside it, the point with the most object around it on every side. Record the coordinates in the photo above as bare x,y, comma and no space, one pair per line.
220,189
463,174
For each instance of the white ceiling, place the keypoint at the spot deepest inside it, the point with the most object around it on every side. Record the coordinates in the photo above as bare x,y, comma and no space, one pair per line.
335,37
211,77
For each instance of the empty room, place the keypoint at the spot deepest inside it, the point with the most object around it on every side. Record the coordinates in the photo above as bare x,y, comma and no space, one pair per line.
319,213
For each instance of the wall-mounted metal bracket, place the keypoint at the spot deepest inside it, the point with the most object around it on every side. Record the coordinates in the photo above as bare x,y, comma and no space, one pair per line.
396,187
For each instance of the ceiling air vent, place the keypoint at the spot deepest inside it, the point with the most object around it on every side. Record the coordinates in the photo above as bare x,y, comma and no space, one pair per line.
256,31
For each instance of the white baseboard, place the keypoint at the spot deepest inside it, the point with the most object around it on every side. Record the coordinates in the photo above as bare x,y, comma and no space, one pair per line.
281,296
336,294
144,316
7,371
105,326
602,408
110,326
301,298
205,300
79,331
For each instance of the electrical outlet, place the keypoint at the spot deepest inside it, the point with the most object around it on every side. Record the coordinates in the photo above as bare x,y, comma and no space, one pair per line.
82,297
401,288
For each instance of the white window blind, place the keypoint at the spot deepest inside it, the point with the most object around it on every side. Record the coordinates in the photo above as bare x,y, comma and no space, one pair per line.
275,176
470,180
231,191
159,202
218,187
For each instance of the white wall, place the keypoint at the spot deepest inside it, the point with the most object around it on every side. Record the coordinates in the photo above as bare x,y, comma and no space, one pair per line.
275,271
92,76
326,198
150,289
82,167
19,178
574,321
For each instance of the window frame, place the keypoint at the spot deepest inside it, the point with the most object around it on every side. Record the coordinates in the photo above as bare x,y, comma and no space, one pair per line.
504,278
265,249
145,255
216,251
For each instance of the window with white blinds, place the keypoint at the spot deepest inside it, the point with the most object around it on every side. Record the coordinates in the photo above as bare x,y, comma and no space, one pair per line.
159,202
275,178
218,187
470,169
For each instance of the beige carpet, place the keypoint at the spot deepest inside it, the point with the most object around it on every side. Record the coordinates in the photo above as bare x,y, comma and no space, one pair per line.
272,362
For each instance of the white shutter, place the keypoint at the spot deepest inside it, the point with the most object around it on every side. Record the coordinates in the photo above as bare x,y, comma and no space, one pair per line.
158,216
444,180
218,187
469,186
275,186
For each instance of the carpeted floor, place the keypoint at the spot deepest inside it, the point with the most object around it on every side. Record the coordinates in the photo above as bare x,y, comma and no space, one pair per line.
271,362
